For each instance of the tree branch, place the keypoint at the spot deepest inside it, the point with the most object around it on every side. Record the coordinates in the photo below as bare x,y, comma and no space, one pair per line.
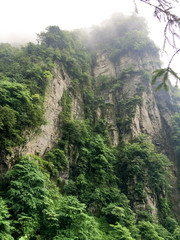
163,10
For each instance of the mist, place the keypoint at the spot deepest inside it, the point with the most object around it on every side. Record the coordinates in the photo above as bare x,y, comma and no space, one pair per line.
21,21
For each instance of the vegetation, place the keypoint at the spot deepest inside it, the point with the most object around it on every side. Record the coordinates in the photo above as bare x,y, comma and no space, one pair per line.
141,167
24,78
176,133
104,187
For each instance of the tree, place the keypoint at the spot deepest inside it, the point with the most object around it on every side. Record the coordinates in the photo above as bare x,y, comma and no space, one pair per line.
5,227
25,190
120,233
148,232
74,221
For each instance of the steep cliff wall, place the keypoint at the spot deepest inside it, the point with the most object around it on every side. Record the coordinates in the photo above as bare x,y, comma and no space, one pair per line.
107,141
39,142
148,119
47,137
48,133
152,116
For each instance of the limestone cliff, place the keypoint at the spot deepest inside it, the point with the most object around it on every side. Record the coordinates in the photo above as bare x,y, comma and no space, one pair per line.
152,116
81,121
47,137
129,106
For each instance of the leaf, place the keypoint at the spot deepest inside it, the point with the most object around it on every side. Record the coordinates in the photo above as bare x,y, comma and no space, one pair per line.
166,87
174,74
157,74
165,77
154,78
159,87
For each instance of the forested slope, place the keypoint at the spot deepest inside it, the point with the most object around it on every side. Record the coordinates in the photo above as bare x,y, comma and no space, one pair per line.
88,149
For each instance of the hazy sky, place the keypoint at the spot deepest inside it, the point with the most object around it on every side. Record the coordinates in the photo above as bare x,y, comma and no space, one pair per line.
20,20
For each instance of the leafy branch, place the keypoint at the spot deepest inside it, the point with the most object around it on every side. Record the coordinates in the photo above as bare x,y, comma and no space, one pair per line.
163,11
163,73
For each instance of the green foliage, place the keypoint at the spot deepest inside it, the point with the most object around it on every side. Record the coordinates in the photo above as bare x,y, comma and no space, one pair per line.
121,212
89,105
74,222
148,231
120,233
25,186
163,74
126,112
104,82
176,234
134,41
37,209
25,189
57,161
112,32
176,133
72,53
145,215
26,65
24,76
8,131
94,170
104,182
66,102
170,224
164,209
140,164
92,176
17,97
75,134
163,232
5,223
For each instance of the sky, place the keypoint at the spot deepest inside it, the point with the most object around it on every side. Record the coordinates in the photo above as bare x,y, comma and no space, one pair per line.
21,20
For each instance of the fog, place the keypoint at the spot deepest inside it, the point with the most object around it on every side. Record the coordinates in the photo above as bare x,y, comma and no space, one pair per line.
21,20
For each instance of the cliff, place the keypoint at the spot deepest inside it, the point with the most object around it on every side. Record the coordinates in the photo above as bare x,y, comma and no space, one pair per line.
106,137
150,115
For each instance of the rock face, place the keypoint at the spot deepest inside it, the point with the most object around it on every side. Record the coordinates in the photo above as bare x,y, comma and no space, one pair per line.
148,118
152,115
104,66
47,137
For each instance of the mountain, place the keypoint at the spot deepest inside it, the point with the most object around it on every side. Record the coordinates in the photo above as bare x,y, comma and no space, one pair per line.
88,148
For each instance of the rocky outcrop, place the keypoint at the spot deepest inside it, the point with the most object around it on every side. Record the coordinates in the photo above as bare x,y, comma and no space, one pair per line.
148,119
103,65
152,116
48,134
146,61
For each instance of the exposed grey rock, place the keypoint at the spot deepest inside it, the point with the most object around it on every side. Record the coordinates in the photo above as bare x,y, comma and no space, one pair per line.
47,138
104,66
152,115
